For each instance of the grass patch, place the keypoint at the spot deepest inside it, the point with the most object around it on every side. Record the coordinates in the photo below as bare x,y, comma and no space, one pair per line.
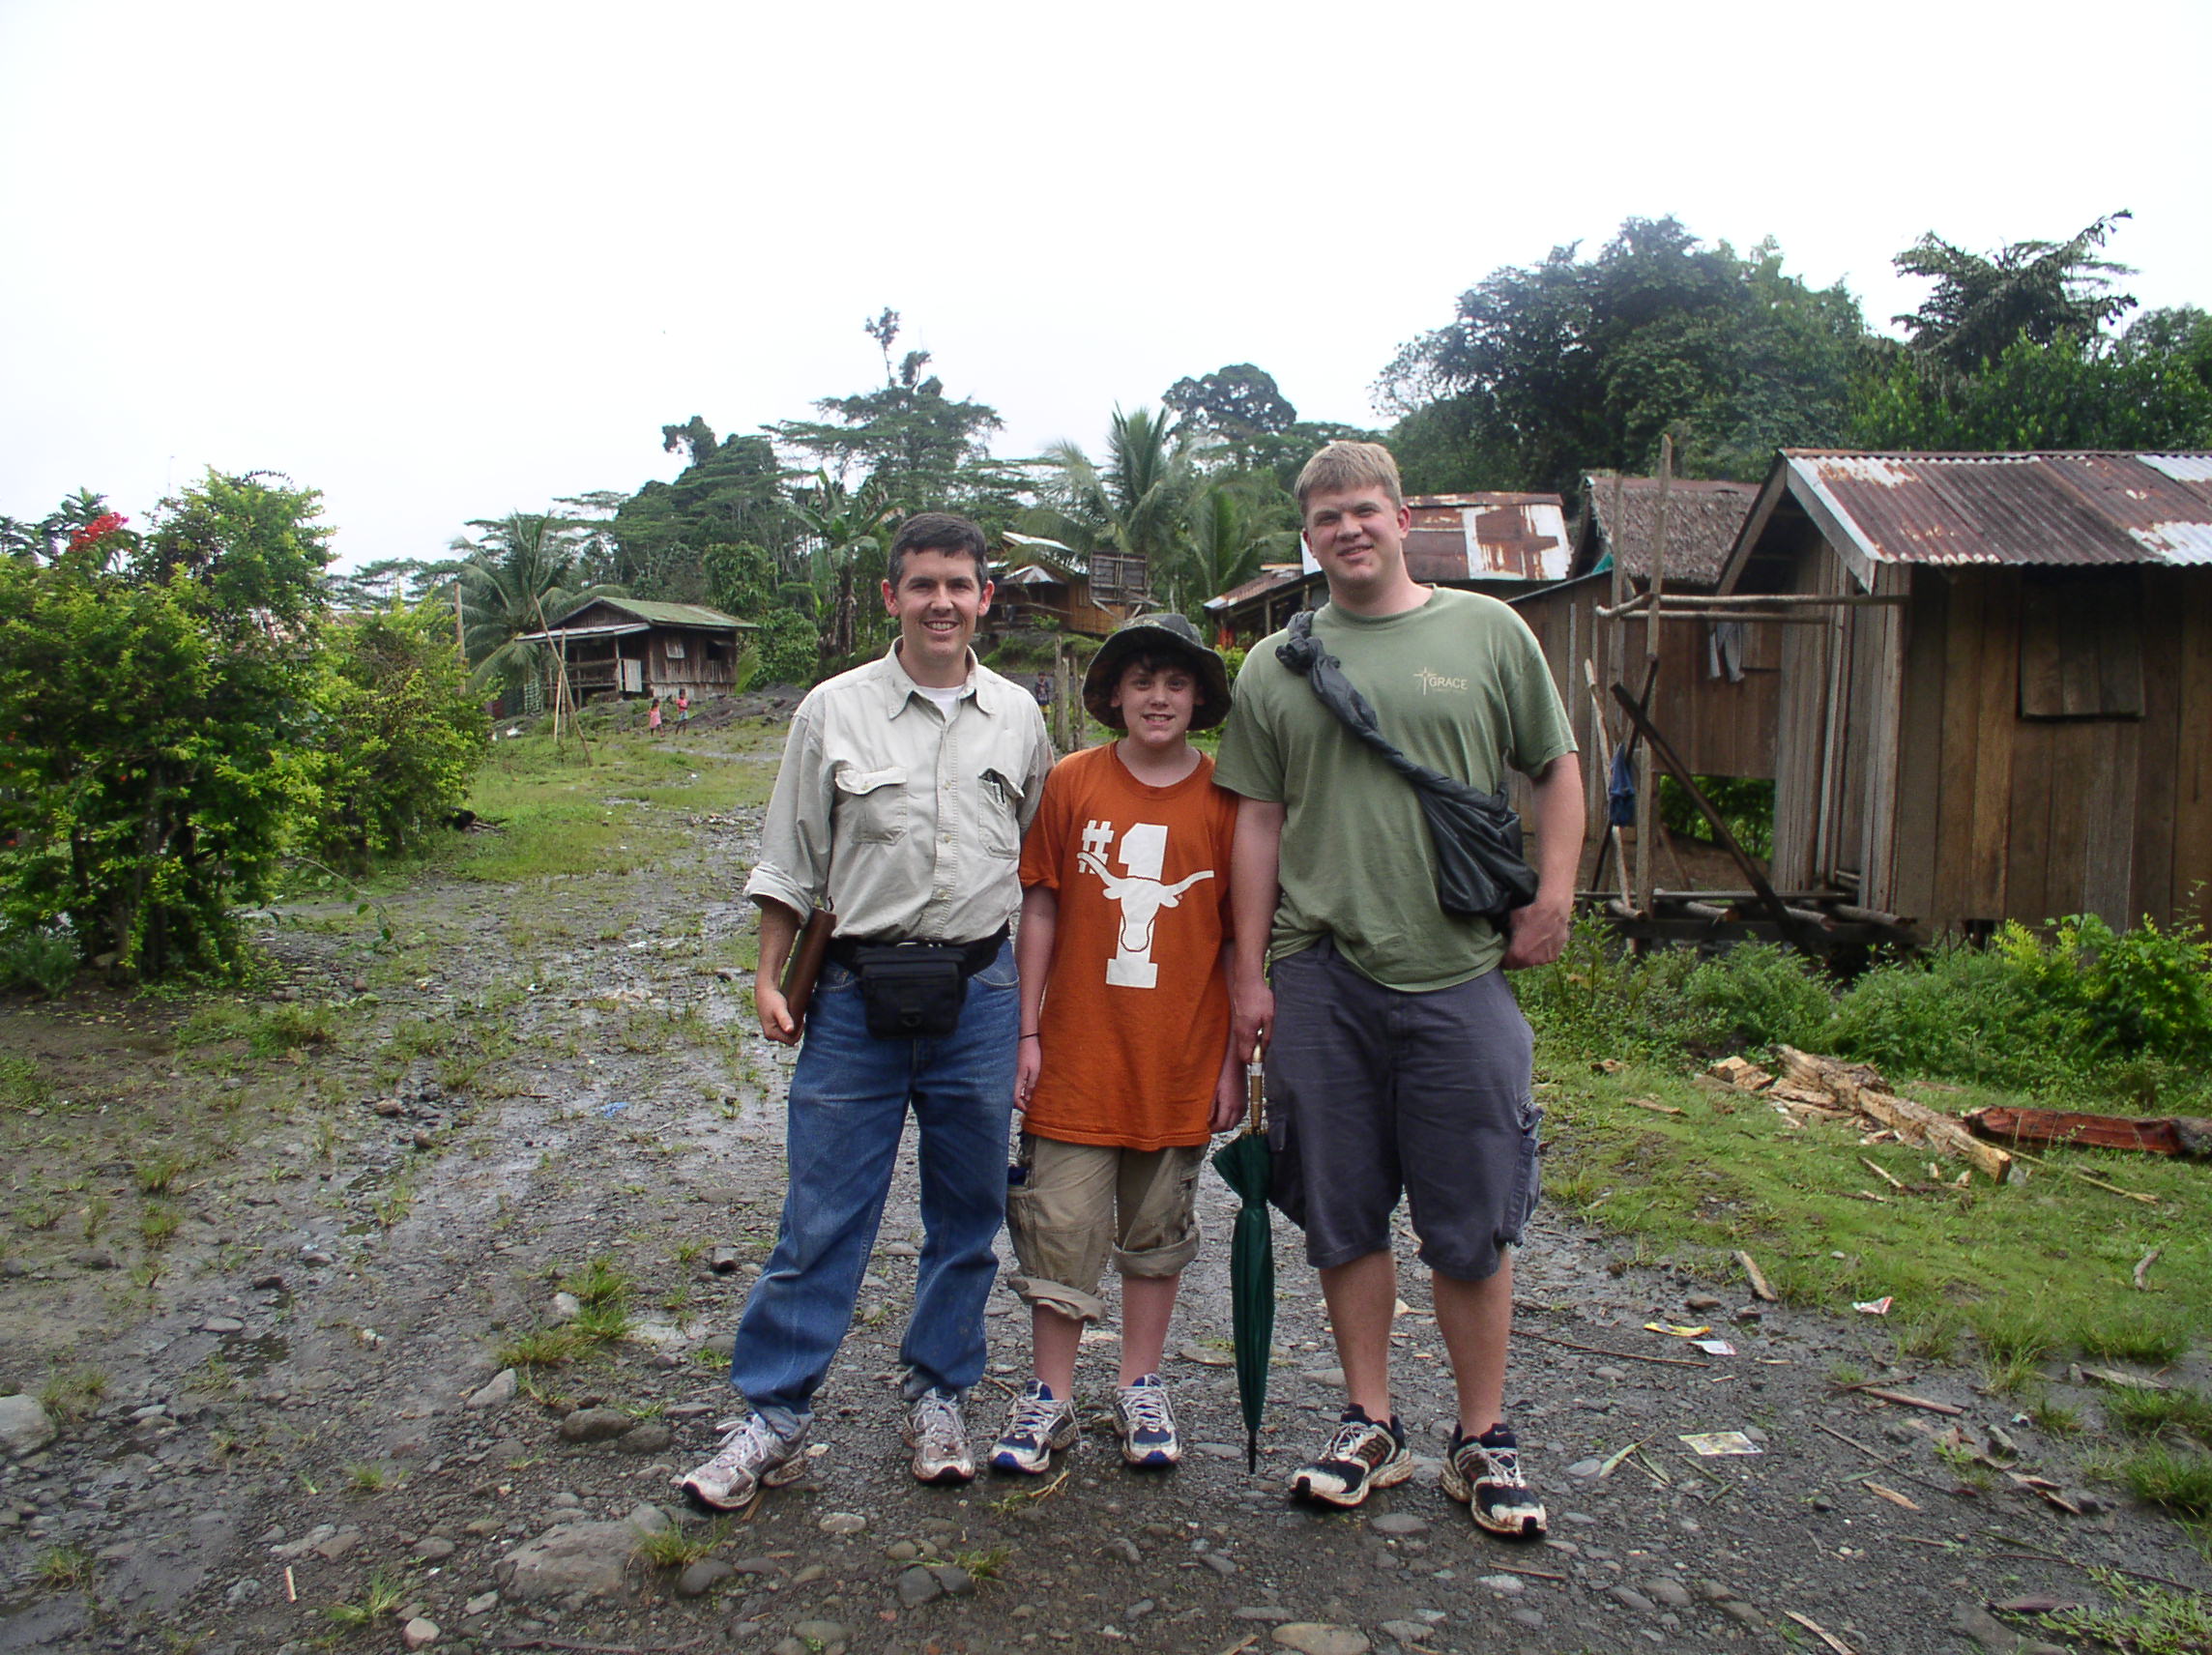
267,1031
66,1569
597,1283
378,1599
2177,1479
160,1174
2143,1619
676,1547
21,1085
539,1348
73,1397
2140,1412
2030,1270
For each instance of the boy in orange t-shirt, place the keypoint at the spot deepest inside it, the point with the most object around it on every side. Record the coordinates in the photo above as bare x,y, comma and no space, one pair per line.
1126,1066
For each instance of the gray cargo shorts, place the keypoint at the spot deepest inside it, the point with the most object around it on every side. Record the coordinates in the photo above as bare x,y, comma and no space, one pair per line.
1373,1092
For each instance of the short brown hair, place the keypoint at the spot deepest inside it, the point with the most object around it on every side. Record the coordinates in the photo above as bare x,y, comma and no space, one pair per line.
1346,465
938,532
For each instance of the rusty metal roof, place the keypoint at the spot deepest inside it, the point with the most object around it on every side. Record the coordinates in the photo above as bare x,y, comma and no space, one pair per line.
1703,518
2051,507
656,614
1270,578
1484,536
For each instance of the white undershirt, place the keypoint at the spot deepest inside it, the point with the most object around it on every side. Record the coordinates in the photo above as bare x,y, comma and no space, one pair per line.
945,699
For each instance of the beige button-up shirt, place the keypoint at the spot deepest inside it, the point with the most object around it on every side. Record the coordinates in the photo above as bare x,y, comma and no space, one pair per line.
907,821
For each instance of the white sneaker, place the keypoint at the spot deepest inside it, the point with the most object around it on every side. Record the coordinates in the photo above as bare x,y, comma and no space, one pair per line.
1145,1422
1036,1424
939,1437
752,1458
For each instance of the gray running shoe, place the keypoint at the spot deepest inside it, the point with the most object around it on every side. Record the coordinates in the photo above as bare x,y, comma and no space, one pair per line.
1363,1456
752,1458
1036,1424
1145,1422
939,1437
1486,1478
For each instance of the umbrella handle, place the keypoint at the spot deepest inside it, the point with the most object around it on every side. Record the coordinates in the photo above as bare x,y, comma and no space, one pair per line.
1256,1087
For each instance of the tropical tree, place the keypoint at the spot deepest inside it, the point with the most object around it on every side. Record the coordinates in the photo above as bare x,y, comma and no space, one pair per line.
157,715
519,573
1136,504
848,527
2035,291
923,450
1547,371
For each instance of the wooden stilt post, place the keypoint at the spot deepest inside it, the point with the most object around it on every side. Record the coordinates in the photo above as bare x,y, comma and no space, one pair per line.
1647,772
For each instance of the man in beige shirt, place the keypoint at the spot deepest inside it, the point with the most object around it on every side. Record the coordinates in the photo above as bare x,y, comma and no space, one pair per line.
905,788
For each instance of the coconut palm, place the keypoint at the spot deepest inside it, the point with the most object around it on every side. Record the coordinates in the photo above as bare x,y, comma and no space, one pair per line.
1137,504
518,575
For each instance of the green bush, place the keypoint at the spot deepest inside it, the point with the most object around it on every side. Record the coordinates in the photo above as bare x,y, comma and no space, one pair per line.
38,958
1599,999
153,698
1763,993
398,735
790,647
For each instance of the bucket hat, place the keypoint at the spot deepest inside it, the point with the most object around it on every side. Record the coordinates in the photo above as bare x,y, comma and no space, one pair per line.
1172,633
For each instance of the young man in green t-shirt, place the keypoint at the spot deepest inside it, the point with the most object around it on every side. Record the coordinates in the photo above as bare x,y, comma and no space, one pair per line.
1397,1061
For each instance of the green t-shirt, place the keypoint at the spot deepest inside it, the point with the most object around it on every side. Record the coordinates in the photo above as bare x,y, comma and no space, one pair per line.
1459,684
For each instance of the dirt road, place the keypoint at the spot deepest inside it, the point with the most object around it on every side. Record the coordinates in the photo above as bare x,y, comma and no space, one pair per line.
289,1399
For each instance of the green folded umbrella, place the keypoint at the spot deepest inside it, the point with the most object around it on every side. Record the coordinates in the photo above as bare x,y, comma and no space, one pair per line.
1247,1164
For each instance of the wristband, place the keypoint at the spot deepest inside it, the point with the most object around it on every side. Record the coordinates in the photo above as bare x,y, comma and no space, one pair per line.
1031,1037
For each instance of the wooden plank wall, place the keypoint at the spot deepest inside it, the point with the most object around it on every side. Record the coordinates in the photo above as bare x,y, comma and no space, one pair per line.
1719,728
2003,817
1802,723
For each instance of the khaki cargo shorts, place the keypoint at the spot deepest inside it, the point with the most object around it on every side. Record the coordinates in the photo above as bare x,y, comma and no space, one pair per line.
1070,1205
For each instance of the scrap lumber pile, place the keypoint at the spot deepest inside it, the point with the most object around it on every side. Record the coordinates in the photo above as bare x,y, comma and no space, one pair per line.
1814,1087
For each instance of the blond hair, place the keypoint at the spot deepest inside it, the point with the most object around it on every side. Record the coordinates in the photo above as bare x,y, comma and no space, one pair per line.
1344,465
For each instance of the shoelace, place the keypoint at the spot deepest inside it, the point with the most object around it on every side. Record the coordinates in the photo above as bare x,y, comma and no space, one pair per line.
1348,1436
937,1422
751,1440
1147,1410
1033,1416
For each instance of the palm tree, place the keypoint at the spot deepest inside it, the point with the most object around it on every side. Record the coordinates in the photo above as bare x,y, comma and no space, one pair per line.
1230,539
516,577
849,524
1137,505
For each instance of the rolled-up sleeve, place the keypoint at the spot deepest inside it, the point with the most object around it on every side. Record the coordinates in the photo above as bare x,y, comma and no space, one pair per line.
793,868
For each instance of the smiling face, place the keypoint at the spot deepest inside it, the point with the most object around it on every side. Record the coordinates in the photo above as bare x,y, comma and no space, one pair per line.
1359,538
1156,701
937,603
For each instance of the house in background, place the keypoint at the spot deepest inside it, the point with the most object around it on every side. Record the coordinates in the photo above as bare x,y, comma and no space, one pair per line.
1995,697
1716,692
1042,580
1504,545
624,646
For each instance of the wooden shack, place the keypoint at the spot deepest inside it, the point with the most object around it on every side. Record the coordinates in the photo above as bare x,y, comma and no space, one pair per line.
1995,681
1040,580
1717,689
625,646
1505,544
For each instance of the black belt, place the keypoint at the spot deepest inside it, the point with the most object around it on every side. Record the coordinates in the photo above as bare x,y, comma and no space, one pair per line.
974,956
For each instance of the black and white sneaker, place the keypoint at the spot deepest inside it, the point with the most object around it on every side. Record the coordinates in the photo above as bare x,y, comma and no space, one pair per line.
1037,1424
1361,1457
938,1436
1484,1474
1145,1423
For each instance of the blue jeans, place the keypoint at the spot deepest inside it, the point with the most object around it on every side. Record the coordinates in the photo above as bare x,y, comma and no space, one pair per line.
849,1099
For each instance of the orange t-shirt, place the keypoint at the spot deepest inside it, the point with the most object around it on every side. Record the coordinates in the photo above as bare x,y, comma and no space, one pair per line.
1136,1007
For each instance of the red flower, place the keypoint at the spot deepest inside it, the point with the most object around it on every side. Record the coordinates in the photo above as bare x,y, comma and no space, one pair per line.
98,530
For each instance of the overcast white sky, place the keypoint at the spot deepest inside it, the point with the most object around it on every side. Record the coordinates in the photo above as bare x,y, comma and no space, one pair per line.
444,261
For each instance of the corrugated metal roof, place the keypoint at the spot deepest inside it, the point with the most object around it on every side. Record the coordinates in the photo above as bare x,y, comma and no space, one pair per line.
1484,536
659,614
1703,518
1269,579
2052,508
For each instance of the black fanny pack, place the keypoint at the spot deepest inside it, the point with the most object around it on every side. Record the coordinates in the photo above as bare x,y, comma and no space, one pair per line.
913,991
